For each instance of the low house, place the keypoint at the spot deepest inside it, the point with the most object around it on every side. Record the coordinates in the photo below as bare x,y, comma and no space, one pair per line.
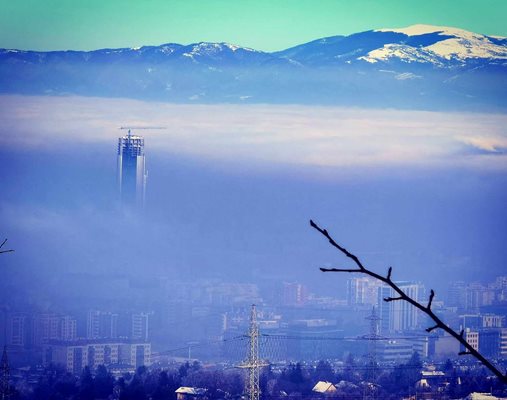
324,387
482,396
190,393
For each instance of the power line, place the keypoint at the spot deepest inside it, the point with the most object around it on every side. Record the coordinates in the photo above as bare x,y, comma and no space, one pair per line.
236,338
344,338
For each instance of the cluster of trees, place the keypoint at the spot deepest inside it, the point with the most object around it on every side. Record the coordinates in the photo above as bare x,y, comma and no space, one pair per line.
294,382
154,384
351,381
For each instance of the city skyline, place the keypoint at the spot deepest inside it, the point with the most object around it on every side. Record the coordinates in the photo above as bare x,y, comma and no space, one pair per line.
221,310
389,143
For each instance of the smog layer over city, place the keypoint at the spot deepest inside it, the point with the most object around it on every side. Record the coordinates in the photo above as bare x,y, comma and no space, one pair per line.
178,178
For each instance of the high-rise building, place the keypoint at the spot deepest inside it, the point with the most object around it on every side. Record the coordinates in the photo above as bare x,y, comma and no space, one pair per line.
131,170
399,316
17,330
477,296
456,296
101,325
294,294
47,327
93,324
362,291
139,326
68,328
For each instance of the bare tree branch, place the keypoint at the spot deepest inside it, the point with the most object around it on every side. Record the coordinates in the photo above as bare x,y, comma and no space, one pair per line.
389,299
432,294
339,270
2,245
460,337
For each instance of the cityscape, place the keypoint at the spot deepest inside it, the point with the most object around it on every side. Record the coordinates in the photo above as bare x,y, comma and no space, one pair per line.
169,323
204,208
196,320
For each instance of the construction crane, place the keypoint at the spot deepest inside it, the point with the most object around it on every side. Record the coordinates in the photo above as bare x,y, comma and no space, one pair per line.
142,127
129,128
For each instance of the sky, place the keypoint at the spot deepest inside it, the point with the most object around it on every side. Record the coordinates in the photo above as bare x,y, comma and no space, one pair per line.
261,24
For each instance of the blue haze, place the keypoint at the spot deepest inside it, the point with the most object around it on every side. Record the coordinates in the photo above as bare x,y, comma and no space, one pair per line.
59,212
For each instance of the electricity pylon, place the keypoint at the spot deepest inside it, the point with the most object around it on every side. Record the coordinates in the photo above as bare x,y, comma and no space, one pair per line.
4,376
252,363
371,369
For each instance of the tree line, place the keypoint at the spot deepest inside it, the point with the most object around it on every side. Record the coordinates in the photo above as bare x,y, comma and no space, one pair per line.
294,382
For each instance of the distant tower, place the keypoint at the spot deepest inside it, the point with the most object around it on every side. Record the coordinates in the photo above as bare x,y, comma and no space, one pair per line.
370,390
4,376
131,170
252,363
372,338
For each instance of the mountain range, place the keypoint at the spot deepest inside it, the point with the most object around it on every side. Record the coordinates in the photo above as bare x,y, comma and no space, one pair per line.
418,67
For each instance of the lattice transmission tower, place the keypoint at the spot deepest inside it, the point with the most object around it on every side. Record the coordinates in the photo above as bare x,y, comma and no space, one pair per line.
373,337
253,363
371,369
4,376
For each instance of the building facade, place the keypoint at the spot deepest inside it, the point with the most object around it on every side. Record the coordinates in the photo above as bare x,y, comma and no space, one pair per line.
400,316
131,170
53,327
17,329
140,326
74,356
294,294
362,291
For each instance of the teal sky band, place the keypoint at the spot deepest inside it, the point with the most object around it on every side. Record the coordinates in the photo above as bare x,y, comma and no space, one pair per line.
267,25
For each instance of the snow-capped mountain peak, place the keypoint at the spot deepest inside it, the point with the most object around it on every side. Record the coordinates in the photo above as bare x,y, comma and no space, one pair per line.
422,29
448,44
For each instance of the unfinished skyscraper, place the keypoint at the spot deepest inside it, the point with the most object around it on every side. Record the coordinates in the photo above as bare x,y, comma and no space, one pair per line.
131,170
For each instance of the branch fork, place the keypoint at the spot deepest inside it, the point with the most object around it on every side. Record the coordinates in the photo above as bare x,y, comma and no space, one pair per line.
402,296
2,245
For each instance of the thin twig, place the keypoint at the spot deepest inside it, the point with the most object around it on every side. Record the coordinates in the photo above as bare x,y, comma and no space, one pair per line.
389,299
339,270
2,245
460,337
432,294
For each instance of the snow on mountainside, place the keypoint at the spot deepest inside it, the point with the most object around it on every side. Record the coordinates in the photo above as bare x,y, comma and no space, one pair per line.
207,48
453,45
